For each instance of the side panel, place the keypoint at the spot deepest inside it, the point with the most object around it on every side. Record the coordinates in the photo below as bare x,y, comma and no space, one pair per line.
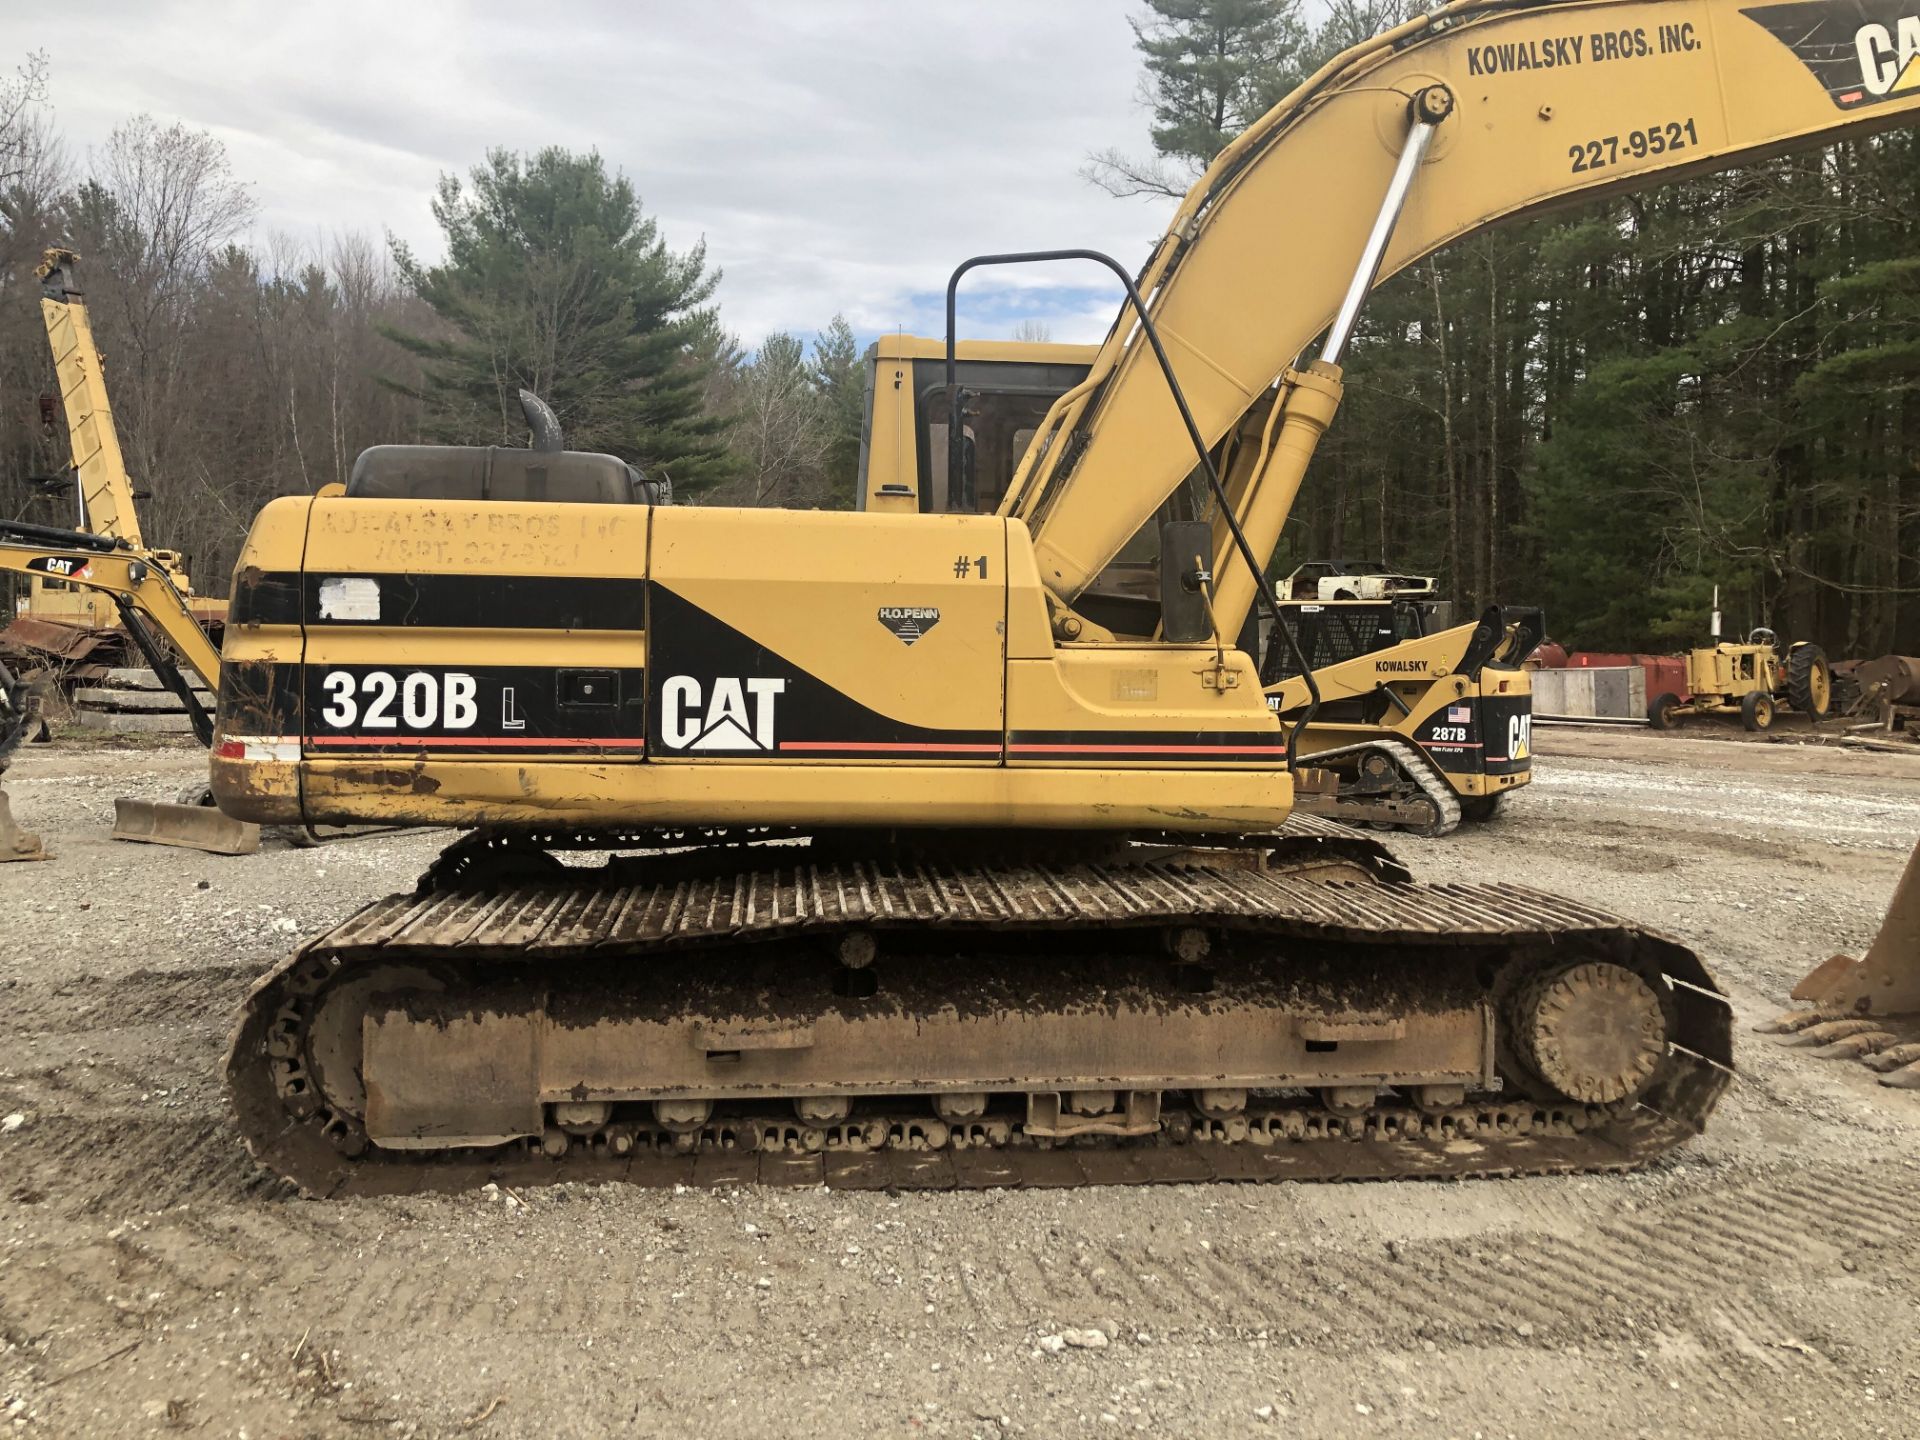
435,628
815,636
798,669
1115,706
428,630
1482,735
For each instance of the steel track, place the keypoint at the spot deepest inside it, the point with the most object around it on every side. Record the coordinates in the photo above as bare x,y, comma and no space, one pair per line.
1415,768
547,926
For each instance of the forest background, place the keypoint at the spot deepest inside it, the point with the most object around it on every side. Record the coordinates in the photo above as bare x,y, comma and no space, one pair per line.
1608,411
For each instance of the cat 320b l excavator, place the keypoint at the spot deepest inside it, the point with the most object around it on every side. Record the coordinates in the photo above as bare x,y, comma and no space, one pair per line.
930,876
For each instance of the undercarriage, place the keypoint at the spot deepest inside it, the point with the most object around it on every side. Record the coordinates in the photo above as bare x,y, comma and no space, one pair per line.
831,1008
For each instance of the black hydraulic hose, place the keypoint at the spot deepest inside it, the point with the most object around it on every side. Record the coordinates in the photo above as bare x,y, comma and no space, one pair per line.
955,448
162,665
21,531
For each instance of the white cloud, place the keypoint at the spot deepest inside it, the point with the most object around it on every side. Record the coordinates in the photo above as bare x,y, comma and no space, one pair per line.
837,156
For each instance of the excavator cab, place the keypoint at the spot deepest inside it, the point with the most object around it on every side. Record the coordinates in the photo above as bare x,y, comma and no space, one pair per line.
1006,388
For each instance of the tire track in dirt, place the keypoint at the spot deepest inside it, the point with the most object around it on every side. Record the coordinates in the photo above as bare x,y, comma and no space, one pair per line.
95,1002
1699,1265
133,1163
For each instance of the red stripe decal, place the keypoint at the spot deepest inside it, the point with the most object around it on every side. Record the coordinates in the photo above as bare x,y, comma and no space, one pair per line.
890,746
1265,751
479,742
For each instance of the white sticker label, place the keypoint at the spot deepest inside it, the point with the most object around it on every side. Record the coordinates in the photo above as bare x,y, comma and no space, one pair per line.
349,597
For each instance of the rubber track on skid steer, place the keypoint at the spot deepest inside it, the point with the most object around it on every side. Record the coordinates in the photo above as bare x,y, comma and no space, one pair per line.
547,925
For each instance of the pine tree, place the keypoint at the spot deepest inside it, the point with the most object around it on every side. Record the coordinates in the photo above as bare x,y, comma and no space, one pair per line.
841,378
1213,67
557,281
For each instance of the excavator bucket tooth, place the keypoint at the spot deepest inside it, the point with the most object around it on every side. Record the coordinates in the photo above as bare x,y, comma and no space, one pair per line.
194,827
1857,1046
1828,1031
1907,1077
1895,1057
15,842
1792,1022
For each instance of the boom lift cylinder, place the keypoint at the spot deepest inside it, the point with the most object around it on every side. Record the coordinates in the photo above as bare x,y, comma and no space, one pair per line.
1313,395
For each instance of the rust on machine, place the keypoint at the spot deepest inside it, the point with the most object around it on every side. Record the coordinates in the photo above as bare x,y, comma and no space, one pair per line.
1890,679
51,640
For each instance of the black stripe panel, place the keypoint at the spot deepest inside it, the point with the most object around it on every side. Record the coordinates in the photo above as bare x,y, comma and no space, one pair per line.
466,602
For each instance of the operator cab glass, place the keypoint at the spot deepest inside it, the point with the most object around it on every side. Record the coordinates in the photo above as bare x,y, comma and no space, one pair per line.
1003,404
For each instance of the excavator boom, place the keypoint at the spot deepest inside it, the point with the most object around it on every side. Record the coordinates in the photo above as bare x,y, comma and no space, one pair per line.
1547,105
106,493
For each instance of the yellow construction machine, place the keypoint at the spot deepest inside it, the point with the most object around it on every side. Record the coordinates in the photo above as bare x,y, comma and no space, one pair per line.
1751,679
81,582
56,611
1413,727
19,714
925,867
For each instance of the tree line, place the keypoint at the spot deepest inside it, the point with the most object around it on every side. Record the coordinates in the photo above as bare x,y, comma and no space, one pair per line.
1608,412
239,372
1611,410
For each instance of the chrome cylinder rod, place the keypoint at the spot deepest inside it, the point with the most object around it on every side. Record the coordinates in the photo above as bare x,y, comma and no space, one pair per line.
1429,108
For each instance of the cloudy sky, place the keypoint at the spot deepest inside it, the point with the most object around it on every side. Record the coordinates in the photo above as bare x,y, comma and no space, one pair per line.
836,155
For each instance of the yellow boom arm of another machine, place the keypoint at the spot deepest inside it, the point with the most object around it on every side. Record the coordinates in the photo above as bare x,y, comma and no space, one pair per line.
1469,115
105,490
144,592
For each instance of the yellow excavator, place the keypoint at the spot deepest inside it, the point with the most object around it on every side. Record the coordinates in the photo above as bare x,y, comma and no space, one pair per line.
1414,727
921,870
57,599
82,582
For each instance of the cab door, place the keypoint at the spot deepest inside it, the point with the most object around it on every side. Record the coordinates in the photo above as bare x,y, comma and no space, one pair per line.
816,636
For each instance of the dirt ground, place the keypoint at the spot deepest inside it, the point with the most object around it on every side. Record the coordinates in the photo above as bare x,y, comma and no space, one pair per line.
1765,1281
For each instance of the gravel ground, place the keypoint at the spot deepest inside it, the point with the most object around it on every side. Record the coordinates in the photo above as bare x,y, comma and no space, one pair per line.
1764,1281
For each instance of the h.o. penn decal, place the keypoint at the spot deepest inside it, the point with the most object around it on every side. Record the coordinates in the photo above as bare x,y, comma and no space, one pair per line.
909,622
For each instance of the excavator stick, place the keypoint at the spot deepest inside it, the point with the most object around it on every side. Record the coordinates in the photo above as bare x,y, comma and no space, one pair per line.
1868,1009
193,827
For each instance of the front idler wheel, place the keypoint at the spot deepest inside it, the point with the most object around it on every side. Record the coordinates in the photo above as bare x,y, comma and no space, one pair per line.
1594,1031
